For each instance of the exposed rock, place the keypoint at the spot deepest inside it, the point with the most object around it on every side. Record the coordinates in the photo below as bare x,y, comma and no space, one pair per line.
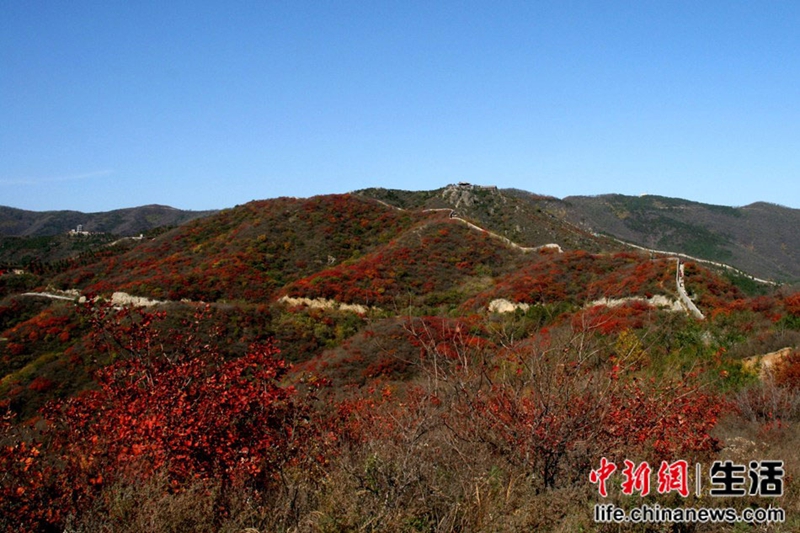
765,363
501,305
459,195
322,303
123,298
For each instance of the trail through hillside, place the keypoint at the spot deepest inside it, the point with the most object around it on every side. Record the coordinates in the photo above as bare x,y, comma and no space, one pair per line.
124,299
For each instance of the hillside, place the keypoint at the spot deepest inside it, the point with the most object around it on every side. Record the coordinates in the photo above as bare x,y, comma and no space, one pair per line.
247,252
522,219
760,239
451,360
121,222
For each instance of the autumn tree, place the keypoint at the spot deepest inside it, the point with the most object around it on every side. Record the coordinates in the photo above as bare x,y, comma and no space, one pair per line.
190,414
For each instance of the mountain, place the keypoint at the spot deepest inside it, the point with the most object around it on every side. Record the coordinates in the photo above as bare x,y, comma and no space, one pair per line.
340,254
39,238
449,360
121,222
520,217
313,272
759,239
247,252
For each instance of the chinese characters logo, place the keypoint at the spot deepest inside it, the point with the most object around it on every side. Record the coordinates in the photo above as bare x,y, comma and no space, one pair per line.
759,478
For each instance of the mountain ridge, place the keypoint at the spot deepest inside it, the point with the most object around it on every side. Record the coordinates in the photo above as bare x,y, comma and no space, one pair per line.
127,221
758,239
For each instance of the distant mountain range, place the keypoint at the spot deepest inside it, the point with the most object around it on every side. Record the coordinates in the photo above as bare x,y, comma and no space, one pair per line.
759,239
120,222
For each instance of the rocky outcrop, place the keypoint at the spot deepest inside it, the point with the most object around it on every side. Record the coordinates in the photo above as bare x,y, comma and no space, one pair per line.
322,303
766,363
501,305
123,299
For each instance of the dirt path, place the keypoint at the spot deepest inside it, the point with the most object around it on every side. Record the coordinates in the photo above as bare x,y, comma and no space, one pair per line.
505,240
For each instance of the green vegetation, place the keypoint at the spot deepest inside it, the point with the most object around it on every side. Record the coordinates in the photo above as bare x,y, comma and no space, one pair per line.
747,284
758,239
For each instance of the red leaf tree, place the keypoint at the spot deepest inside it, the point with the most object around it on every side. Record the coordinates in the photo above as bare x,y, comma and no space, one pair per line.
191,415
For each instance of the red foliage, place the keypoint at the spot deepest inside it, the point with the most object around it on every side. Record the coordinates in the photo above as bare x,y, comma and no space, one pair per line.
787,371
246,252
434,260
677,420
193,416
198,417
545,426
608,320
451,339
579,276
41,384
16,348
792,304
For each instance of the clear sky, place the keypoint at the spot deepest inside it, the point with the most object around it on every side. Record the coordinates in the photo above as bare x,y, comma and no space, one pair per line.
202,105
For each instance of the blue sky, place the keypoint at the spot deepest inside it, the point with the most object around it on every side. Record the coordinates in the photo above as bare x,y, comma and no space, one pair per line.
211,104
